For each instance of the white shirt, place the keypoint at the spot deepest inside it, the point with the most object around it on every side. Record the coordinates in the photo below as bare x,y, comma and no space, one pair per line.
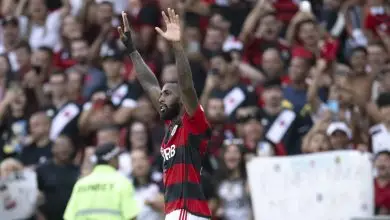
47,35
125,164
380,138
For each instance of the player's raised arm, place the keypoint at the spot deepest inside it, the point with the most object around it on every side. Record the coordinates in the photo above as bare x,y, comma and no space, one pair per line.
145,76
173,34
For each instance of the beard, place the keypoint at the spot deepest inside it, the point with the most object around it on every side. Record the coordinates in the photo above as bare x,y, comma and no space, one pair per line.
171,112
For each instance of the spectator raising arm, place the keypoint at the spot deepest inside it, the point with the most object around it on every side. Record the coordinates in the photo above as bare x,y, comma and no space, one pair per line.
262,7
145,76
173,34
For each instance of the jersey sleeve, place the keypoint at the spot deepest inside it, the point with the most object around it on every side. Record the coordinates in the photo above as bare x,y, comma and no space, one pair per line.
129,206
196,123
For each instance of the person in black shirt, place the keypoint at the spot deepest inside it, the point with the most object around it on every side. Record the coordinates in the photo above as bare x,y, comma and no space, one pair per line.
37,147
64,113
57,177
227,85
13,121
118,93
123,94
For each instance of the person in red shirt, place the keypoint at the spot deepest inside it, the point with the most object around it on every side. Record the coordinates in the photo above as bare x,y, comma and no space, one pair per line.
377,18
382,183
185,143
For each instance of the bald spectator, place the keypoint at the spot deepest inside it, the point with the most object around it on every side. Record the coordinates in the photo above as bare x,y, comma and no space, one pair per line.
38,146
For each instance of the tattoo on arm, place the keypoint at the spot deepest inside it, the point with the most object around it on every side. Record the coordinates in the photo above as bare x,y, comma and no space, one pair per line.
188,93
146,77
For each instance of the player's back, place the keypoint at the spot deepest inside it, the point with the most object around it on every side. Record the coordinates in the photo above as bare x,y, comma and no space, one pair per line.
183,149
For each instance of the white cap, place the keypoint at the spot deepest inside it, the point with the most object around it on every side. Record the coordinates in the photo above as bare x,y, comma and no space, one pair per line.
339,126
305,6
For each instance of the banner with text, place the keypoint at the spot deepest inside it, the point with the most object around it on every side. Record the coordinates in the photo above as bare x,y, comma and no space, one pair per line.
322,186
18,195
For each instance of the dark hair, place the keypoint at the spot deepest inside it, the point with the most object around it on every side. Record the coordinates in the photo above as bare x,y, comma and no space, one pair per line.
23,45
227,56
358,49
223,172
299,26
106,2
383,100
149,142
384,152
377,44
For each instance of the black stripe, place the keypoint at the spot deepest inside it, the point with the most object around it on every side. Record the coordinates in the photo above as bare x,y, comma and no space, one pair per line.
188,156
175,192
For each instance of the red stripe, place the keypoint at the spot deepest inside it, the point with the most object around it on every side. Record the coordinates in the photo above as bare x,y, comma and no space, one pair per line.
196,207
176,174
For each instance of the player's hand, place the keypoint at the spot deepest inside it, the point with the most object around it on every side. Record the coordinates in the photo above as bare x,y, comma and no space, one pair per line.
125,34
172,23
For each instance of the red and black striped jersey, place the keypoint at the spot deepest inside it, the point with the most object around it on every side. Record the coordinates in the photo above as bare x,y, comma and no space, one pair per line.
183,148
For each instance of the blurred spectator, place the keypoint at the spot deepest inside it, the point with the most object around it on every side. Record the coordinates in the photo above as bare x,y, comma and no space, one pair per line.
227,86
40,26
232,186
23,58
57,177
37,147
75,84
10,35
9,166
148,186
317,142
14,114
380,133
340,135
382,186
93,77
111,134
64,113
282,127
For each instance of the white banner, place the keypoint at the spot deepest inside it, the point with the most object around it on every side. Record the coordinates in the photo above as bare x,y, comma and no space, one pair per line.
323,186
18,195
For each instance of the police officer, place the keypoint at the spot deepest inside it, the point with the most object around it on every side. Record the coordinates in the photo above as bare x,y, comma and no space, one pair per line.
105,193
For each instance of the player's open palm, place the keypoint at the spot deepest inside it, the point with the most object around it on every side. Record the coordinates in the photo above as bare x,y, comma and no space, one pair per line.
172,23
